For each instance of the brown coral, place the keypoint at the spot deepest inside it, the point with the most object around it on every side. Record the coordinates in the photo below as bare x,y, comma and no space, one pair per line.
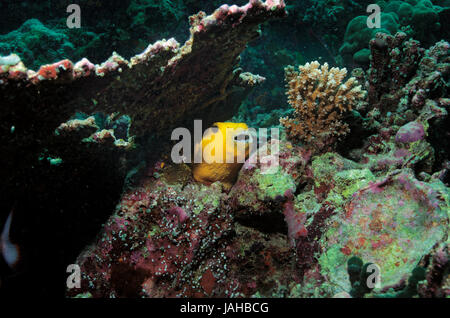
319,100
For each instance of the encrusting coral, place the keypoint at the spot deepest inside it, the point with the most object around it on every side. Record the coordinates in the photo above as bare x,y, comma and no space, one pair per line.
319,99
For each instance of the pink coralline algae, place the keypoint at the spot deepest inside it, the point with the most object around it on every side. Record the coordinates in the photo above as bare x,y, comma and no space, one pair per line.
156,237
410,132
177,215
173,237
377,221
437,280
295,220
397,147
256,186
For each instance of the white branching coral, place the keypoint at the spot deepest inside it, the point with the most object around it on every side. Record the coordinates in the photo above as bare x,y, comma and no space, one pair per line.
320,100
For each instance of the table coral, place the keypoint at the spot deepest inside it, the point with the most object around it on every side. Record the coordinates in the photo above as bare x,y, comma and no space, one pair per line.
56,162
320,98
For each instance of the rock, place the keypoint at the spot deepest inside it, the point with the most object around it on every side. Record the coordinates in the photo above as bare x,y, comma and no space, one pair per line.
392,222
410,132
259,190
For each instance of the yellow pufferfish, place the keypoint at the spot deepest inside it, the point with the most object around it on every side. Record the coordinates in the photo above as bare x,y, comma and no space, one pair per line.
210,171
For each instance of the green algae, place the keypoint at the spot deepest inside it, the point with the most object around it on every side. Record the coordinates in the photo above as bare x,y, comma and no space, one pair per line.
272,185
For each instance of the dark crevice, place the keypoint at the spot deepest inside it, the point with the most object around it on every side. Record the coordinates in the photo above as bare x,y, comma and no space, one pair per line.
269,223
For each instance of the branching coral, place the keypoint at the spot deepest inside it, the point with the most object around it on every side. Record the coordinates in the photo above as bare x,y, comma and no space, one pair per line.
319,100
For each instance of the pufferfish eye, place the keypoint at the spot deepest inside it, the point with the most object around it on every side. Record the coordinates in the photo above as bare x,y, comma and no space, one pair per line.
243,137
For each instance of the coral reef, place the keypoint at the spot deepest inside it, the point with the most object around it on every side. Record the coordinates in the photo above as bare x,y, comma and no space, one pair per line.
324,16
350,180
406,87
319,98
79,132
421,16
437,277
126,25
36,44
167,254
290,230
264,239
259,189
419,19
357,36
394,62
379,231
